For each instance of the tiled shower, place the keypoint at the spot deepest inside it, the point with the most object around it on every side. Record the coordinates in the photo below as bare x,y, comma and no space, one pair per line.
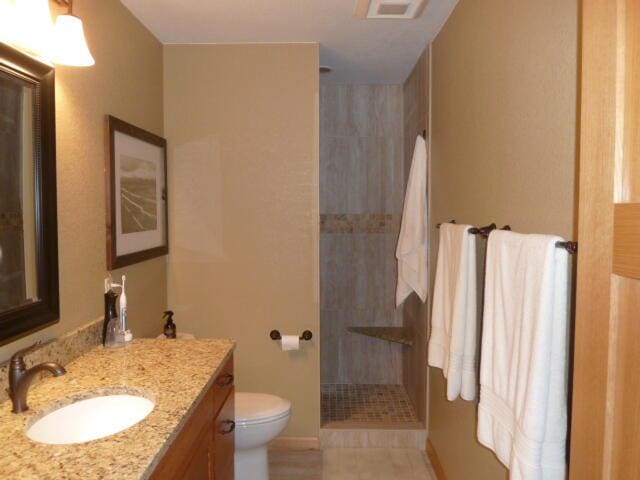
362,180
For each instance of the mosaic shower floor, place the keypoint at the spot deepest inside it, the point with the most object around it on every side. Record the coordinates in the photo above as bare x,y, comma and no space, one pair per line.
349,405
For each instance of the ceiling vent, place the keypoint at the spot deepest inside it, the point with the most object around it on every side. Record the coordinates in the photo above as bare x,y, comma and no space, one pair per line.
393,9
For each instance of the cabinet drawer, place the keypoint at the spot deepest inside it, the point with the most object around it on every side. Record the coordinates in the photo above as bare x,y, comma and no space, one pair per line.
222,385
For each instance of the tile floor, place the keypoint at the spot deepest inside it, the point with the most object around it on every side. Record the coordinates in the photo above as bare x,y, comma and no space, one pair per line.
350,464
368,404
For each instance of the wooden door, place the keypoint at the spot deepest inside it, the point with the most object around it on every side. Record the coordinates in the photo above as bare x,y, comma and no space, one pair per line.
605,428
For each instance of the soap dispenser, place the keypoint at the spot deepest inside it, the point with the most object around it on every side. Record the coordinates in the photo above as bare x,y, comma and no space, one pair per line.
169,327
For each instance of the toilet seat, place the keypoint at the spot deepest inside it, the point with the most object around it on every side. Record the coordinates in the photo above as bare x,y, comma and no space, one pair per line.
258,408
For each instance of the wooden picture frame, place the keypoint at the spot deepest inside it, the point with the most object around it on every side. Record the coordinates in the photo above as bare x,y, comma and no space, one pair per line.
137,207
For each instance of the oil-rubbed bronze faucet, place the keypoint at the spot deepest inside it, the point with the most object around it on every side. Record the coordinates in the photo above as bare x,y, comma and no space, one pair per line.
20,378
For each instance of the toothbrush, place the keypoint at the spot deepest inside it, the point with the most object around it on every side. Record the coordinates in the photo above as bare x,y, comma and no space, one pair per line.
123,306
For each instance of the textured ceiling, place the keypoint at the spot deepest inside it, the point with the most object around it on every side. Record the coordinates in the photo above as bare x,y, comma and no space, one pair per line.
359,51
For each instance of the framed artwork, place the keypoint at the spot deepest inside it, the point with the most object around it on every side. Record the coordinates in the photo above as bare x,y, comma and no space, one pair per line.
137,218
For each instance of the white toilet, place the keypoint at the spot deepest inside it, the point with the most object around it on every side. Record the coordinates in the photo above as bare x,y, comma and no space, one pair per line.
259,419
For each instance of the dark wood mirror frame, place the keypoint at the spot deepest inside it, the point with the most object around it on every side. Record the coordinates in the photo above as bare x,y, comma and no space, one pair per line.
25,319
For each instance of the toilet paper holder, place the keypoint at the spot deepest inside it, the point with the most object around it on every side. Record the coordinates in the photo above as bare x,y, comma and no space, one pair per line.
306,335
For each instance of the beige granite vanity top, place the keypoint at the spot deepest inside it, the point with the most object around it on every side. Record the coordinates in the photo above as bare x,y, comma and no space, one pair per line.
172,373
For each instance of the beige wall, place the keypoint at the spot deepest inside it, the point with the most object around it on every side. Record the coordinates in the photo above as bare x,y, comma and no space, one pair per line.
504,135
243,170
126,82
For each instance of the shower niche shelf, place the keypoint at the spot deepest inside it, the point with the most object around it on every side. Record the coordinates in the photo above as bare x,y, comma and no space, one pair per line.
391,334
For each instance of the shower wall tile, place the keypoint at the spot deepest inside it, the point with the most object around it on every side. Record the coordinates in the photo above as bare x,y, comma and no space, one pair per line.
391,276
394,197
335,111
413,312
385,174
361,175
357,165
359,270
361,110
337,279
334,181
361,197
347,357
361,149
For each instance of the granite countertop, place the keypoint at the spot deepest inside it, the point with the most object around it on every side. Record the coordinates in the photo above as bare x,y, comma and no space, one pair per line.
172,373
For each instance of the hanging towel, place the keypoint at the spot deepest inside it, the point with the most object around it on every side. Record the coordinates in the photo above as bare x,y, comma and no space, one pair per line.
453,341
411,251
522,415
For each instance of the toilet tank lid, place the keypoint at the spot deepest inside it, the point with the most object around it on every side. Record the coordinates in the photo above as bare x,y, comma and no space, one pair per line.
257,406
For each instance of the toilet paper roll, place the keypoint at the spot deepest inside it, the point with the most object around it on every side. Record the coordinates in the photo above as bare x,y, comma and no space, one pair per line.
290,342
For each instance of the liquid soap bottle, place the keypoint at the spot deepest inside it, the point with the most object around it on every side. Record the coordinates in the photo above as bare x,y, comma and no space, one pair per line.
169,327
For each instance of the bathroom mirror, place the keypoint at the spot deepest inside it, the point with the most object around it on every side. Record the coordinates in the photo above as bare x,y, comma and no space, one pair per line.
28,218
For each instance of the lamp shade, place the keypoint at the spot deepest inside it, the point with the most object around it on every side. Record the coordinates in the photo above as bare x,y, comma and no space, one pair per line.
32,27
70,44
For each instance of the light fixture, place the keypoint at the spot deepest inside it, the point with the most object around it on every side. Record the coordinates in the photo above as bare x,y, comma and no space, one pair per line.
69,43
31,27
6,20
27,26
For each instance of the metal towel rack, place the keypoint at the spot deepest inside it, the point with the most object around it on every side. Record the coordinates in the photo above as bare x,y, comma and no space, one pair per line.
571,247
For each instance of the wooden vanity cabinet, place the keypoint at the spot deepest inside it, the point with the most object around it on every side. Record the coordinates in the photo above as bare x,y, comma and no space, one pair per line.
205,447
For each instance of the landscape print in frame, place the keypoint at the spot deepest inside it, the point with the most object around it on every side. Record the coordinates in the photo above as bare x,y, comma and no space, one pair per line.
137,219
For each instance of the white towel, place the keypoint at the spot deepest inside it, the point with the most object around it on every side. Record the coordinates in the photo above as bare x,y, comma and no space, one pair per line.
453,341
411,251
522,414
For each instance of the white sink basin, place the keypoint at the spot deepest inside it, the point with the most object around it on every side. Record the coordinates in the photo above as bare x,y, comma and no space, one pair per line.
90,419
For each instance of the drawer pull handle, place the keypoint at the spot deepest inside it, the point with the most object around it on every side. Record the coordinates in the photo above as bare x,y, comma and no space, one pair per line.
231,427
224,380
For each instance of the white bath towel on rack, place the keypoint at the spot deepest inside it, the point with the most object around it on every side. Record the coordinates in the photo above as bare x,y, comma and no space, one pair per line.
522,415
412,250
453,341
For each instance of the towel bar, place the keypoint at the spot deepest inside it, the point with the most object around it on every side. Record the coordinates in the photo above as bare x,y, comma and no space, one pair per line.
571,247
483,231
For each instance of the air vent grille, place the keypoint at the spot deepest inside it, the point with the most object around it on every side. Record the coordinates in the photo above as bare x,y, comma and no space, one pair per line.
392,9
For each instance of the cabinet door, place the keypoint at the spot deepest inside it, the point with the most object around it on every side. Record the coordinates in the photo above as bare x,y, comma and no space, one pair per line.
199,466
224,440
189,455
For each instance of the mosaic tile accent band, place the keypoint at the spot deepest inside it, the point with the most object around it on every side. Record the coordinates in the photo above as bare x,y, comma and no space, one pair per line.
359,223
365,404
